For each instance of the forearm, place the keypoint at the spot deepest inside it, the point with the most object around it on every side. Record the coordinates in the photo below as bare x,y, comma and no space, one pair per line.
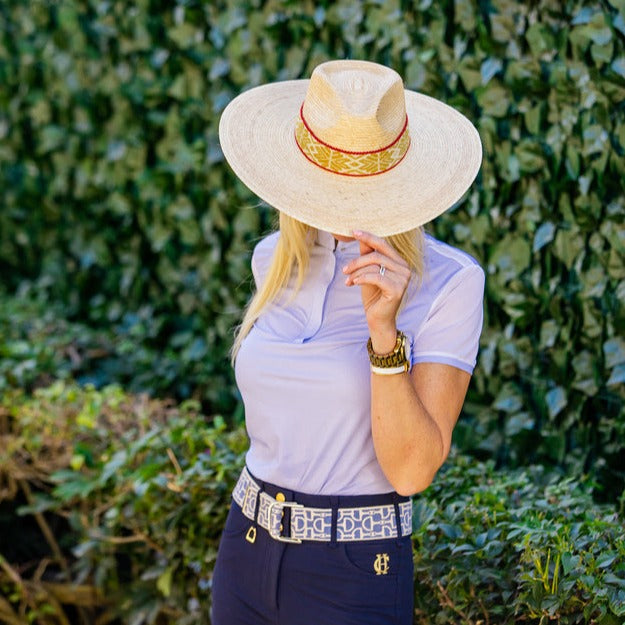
412,414
407,441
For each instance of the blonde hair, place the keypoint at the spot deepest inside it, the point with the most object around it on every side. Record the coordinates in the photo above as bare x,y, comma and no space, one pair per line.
293,252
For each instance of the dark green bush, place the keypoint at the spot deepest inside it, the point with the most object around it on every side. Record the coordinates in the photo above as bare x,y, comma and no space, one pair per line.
509,547
38,344
116,202
142,486
141,489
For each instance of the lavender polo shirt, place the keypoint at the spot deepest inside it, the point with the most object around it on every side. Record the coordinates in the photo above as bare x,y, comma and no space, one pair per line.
303,370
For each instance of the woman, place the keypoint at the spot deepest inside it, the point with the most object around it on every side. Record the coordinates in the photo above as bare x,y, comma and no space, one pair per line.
355,354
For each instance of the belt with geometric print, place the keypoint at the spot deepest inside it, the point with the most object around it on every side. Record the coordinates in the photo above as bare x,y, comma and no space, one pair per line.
308,523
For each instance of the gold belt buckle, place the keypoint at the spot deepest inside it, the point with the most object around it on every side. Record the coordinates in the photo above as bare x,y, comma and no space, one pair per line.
278,536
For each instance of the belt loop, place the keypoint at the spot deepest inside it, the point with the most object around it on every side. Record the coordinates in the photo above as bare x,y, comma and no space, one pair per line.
397,517
334,504
286,520
257,506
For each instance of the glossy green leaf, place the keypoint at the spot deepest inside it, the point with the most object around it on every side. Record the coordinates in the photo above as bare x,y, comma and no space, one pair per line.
614,351
511,256
184,34
164,582
556,400
494,100
540,39
568,245
617,376
470,74
618,66
508,400
585,378
597,30
543,235
489,68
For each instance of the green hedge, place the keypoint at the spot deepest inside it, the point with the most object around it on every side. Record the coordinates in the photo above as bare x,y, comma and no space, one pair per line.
115,199
38,344
119,501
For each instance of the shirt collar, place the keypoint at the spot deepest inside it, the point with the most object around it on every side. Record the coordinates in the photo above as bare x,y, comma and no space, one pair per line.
325,239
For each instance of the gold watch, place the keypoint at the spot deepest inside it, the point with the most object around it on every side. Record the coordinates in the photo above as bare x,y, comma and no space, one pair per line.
399,357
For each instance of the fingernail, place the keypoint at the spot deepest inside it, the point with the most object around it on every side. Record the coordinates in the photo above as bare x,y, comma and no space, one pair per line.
357,233
345,269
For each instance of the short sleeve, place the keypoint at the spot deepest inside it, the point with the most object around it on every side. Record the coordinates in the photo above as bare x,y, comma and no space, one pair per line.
451,331
261,257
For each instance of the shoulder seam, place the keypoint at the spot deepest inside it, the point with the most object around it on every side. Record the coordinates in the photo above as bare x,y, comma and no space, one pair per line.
460,256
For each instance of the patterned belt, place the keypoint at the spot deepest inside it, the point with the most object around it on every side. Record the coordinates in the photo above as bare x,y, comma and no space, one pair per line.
307,523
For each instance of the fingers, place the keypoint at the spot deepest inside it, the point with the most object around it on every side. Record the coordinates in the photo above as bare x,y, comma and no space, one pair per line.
376,253
379,244
377,260
387,282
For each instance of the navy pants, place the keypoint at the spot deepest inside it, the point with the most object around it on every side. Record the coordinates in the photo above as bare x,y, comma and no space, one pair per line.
269,582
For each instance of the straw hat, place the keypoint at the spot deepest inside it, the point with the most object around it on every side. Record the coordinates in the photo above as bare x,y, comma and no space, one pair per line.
350,149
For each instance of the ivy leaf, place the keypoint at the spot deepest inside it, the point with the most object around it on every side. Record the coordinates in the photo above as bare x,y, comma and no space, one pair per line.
556,400
508,400
220,67
511,256
597,30
163,583
617,376
540,39
583,16
543,235
595,282
489,68
605,559
549,331
51,138
494,100
530,155
614,352
183,34
618,66
568,245
583,364
469,73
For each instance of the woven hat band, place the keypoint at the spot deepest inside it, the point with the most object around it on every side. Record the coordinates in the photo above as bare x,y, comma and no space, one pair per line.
349,163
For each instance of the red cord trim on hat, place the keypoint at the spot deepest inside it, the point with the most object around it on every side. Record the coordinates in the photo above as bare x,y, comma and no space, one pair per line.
341,173
332,147
349,163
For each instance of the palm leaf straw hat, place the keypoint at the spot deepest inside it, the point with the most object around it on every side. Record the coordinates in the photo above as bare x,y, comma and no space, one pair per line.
351,149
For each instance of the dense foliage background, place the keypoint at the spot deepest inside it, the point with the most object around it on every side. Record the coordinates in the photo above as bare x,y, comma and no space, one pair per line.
125,238
116,200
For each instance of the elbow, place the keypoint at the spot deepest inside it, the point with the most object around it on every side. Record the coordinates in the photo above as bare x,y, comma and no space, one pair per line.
414,483
415,479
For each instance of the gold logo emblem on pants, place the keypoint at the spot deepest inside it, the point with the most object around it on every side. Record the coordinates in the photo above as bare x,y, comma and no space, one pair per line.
380,566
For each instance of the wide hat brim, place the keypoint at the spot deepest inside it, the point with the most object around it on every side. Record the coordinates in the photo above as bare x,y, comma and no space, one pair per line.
257,136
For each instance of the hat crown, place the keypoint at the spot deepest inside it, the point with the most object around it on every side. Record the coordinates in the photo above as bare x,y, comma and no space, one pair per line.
355,106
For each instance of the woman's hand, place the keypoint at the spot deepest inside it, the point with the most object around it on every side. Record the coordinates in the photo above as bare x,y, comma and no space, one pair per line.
382,291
